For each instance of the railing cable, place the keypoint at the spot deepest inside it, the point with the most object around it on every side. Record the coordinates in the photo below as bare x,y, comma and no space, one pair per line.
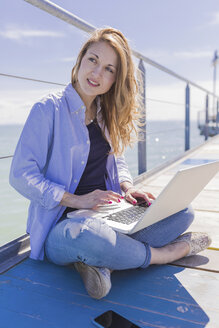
9,156
170,102
61,84
72,19
31,79
164,131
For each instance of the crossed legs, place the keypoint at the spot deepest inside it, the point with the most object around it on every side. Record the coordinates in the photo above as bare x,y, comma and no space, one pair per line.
94,243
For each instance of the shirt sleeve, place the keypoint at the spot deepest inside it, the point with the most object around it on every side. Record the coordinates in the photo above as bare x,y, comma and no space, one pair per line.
30,160
123,171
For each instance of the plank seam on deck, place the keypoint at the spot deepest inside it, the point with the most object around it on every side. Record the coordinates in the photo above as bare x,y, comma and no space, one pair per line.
193,268
204,210
213,248
155,312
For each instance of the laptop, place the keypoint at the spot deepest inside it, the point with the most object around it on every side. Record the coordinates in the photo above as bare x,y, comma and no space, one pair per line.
124,217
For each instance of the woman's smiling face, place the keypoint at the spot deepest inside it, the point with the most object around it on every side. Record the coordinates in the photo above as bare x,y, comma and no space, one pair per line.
97,71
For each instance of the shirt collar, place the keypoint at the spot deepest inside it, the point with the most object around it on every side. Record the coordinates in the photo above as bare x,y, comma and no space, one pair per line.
75,103
74,100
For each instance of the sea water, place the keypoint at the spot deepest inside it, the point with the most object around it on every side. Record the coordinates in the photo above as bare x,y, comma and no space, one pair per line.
165,141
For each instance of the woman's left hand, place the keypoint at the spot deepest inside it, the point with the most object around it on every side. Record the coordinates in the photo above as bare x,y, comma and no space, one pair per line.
132,193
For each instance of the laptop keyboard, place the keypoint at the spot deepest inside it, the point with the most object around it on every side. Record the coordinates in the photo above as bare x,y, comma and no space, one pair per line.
128,215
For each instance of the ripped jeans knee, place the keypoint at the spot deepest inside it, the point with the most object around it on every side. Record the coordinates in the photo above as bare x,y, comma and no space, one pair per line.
93,242
74,240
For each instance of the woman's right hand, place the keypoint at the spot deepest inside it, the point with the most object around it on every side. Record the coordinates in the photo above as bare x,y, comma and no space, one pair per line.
91,200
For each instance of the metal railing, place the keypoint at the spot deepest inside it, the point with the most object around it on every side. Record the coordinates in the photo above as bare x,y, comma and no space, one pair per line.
72,19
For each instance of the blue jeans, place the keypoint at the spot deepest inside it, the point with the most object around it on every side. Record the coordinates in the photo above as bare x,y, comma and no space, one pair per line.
95,243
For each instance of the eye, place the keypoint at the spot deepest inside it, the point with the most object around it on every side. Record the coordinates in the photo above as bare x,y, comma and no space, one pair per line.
109,69
93,60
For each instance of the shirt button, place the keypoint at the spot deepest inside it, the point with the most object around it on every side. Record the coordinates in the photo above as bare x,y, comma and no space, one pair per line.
82,162
83,107
76,112
88,141
75,180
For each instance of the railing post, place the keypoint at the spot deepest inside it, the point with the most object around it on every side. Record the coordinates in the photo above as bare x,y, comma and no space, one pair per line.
206,118
187,119
217,117
142,161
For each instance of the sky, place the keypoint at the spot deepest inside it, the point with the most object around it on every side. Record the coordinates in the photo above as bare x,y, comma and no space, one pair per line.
180,35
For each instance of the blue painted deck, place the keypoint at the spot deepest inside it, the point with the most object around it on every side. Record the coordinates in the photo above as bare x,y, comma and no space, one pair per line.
42,295
39,294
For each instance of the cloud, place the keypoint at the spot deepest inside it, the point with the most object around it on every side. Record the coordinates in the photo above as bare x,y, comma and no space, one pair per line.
69,59
167,102
163,102
18,34
15,106
215,18
156,54
193,54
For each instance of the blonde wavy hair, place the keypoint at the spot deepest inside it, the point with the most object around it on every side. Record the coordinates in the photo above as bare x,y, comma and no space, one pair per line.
121,106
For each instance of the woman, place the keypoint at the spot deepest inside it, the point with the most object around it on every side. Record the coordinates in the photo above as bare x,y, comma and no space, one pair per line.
69,157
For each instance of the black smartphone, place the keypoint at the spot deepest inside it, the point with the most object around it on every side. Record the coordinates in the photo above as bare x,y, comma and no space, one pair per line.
111,319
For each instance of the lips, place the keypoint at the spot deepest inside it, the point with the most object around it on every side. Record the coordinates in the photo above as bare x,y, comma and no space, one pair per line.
92,83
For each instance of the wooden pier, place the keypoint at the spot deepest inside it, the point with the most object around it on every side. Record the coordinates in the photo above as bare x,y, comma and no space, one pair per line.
182,294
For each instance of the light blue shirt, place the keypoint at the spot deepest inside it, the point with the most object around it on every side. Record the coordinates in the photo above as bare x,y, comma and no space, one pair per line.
50,159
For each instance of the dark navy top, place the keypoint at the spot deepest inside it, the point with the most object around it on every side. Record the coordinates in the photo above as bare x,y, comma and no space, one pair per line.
94,174
95,170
